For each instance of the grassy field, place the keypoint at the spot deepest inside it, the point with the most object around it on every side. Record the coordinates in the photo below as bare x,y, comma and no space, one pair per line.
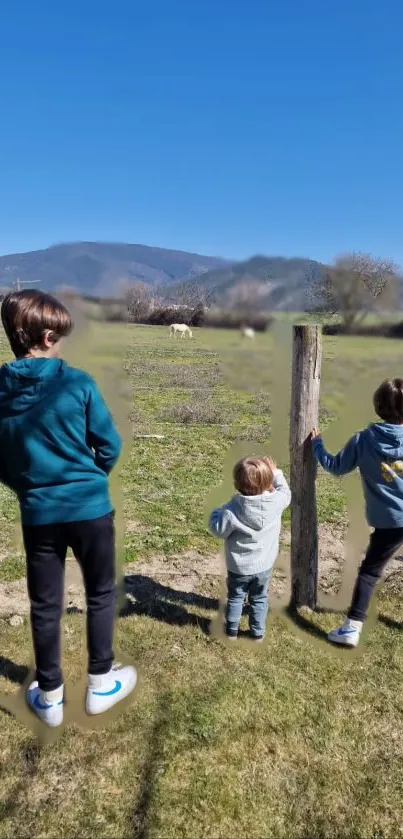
294,739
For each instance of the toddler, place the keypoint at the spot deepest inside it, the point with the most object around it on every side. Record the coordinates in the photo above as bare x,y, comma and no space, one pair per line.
250,526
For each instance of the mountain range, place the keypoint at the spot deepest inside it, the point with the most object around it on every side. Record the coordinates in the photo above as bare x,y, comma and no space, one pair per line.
103,269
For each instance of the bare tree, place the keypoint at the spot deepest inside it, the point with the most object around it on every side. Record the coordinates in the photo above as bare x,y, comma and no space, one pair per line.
247,296
139,303
355,285
192,294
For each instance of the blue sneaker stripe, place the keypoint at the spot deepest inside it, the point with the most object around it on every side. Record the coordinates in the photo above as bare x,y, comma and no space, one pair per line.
39,705
116,689
346,631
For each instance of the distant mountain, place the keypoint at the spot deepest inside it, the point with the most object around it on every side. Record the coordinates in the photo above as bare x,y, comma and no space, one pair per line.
287,280
102,268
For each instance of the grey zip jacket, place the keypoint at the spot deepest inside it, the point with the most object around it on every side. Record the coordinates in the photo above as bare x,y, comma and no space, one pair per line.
250,526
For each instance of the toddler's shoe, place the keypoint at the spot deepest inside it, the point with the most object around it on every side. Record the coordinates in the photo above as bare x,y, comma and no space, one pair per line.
257,639
47,705
347,635
106,690
231,634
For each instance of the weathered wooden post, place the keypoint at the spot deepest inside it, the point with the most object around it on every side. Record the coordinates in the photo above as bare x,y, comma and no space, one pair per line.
306,367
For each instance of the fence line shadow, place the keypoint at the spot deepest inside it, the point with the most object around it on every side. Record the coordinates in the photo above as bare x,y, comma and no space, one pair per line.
30,754
142,815
303,623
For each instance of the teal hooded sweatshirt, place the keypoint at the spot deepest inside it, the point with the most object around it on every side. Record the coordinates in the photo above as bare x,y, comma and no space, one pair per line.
58,441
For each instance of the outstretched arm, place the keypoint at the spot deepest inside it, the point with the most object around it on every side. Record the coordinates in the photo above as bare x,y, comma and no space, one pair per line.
102,435
282,490
221,522
340,464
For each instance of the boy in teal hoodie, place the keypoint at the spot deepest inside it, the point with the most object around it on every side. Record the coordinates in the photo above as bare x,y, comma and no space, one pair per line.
377,452
58,444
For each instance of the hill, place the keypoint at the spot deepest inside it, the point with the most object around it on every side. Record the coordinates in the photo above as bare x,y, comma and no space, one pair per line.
287,280
103,269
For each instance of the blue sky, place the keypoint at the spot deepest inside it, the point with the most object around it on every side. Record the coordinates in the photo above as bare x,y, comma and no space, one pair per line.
227,128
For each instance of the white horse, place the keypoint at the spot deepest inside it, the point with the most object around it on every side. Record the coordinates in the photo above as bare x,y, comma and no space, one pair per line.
247,332
180,329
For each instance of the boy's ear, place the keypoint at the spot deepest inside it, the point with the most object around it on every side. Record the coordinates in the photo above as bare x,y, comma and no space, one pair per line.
49,339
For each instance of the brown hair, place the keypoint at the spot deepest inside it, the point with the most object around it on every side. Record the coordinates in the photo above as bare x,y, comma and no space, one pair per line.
26,316
388,401
253,476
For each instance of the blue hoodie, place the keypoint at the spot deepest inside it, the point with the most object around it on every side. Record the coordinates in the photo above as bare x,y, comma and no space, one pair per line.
58,441
378,453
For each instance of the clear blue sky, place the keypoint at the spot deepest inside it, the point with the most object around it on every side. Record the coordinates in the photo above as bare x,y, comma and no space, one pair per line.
219,126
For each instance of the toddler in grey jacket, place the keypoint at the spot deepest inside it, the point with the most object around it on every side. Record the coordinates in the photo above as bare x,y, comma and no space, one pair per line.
250,525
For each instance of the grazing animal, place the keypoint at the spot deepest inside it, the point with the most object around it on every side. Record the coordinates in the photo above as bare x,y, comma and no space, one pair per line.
247,332
180,329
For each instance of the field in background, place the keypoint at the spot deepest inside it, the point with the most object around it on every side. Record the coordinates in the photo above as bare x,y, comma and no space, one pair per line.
291,740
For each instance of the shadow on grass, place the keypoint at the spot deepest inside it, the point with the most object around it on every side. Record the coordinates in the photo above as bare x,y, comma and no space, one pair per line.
146,597
16,673
142,818
391,623
305,623
30,755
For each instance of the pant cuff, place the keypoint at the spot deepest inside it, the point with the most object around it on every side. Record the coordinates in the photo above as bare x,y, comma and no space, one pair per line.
100,669
47,687
355,616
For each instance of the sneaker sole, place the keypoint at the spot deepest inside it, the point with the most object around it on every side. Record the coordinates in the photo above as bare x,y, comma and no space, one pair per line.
93,712
55,723
342,642
49,722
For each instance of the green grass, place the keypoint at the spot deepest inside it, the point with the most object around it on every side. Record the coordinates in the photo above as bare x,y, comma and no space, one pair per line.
294,739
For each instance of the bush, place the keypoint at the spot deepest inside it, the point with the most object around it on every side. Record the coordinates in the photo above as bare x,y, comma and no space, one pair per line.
165,314
376,330
222,319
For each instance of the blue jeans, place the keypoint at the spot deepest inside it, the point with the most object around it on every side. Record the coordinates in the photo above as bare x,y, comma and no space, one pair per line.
256,587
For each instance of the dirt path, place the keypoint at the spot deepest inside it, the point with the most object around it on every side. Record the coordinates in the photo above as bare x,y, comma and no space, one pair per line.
191,575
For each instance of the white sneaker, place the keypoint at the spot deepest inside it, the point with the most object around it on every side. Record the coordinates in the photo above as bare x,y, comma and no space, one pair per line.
106,690
348,635
47,705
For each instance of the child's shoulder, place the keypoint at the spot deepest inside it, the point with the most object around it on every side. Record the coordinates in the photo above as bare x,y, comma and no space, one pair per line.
77,376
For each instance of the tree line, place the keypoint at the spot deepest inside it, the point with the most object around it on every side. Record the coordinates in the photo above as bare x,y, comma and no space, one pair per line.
354,286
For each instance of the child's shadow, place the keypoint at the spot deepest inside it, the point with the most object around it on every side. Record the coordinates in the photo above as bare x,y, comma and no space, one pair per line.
13,672
144,596
391,623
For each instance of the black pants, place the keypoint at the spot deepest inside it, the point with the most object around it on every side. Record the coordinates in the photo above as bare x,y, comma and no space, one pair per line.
382,546
93,544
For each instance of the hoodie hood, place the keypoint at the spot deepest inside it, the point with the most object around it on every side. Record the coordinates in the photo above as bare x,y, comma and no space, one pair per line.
387,440
24,382
254,511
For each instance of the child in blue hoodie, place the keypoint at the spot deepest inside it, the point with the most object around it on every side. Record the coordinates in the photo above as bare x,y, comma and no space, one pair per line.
378,454
58,444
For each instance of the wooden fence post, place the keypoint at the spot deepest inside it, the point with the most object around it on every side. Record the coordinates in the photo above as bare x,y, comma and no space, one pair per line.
305,388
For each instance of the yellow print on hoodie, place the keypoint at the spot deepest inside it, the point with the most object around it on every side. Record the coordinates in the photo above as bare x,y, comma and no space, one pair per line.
390,471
